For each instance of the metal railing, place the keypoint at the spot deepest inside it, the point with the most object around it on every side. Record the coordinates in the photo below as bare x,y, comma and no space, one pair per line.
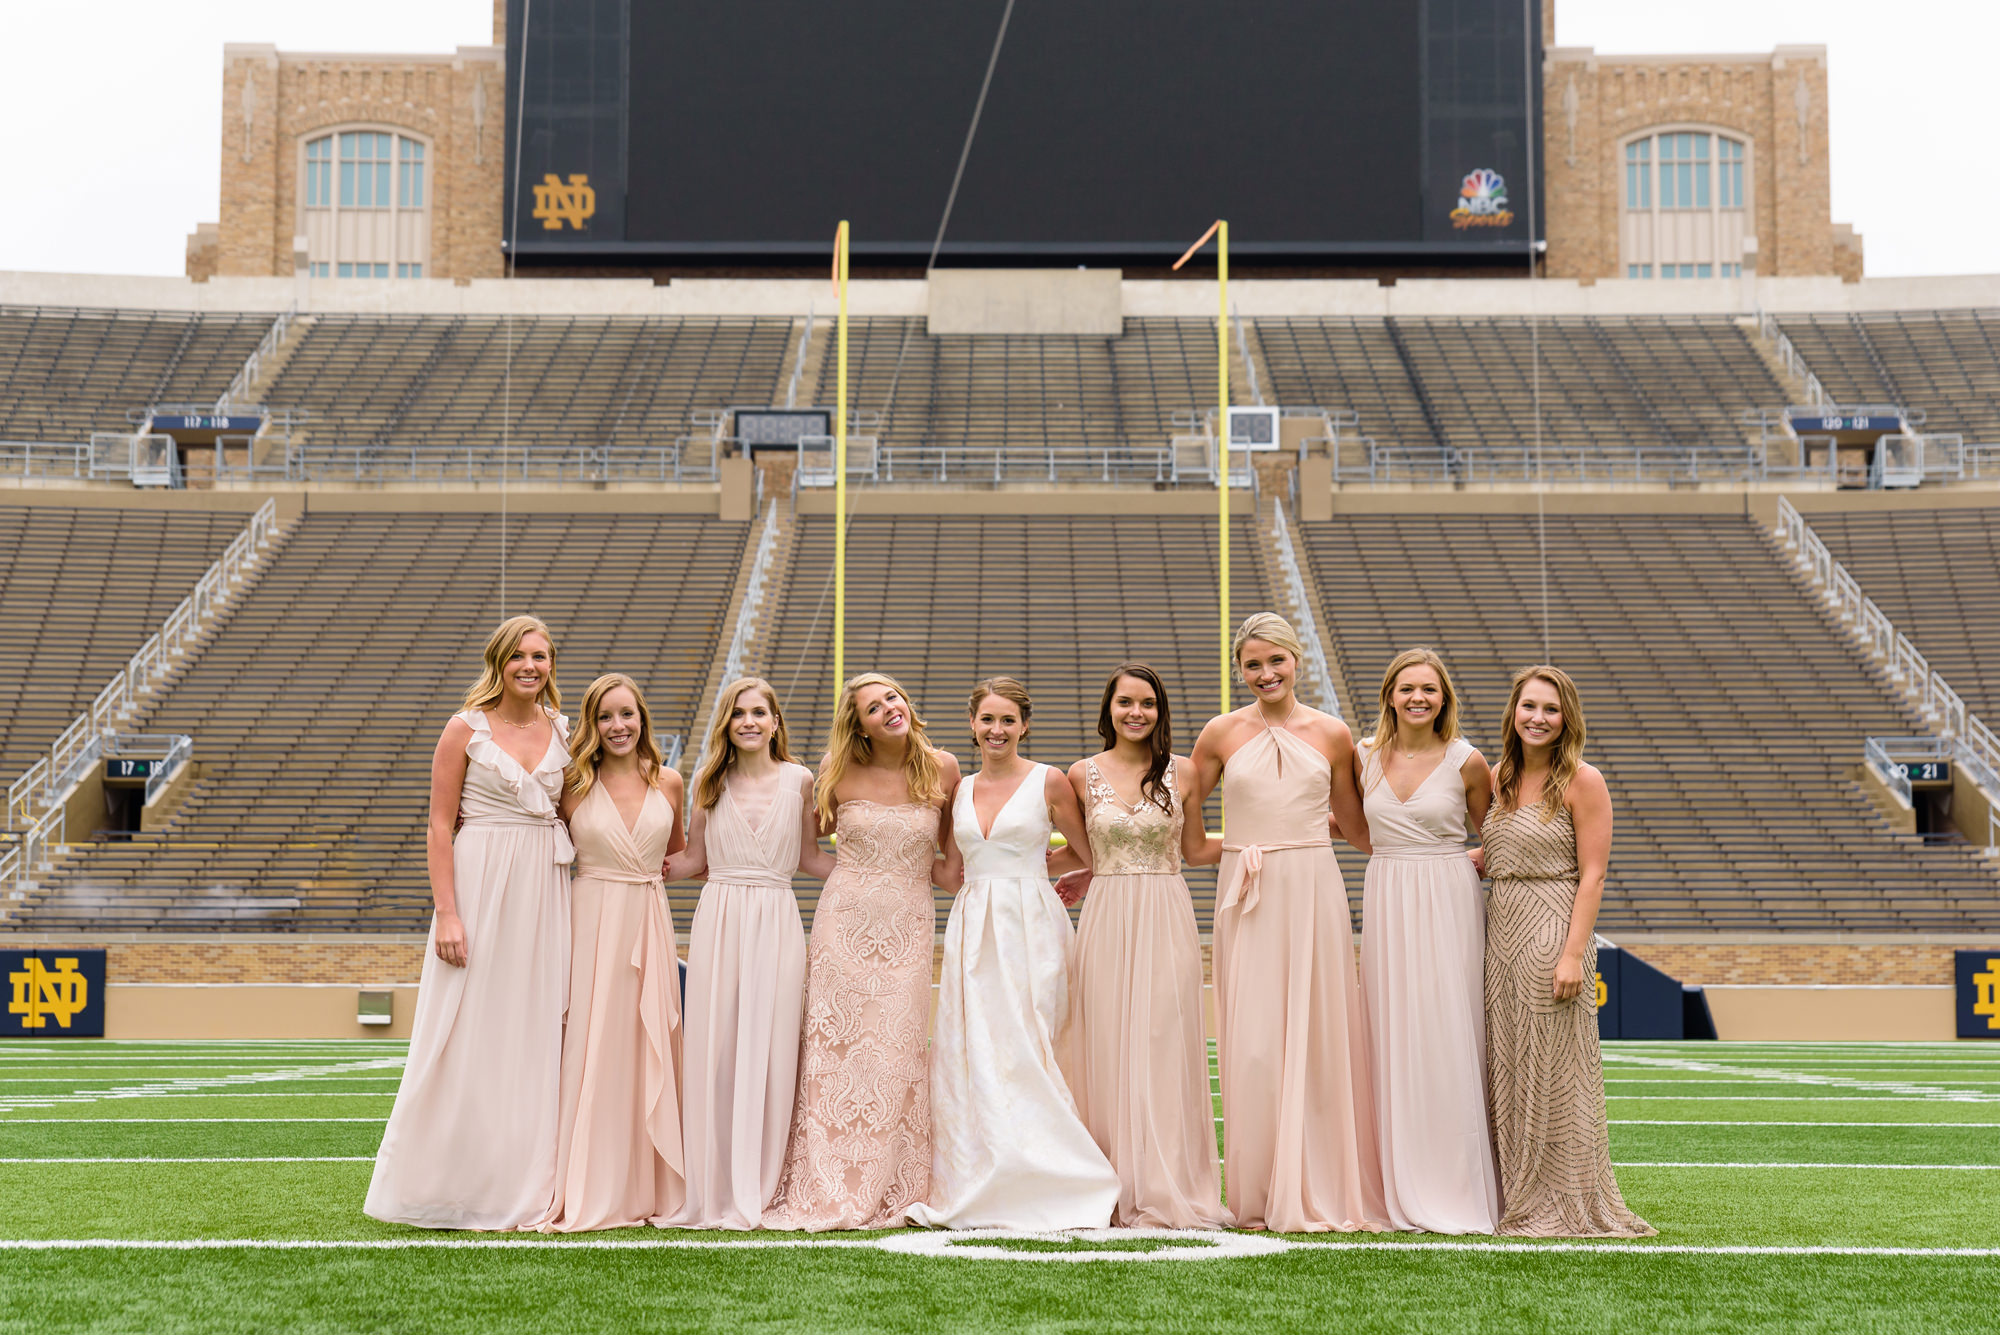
1788,356
145,458
1318,674
1980,461
753,597
673,745
40,458
33,851
1596,466
168,750
869,462
246,376
83,741
690,459
1875,751
1977,748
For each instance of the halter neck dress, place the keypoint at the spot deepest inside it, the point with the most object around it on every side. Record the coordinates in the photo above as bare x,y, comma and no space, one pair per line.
471,1141
1298,1111
1423,919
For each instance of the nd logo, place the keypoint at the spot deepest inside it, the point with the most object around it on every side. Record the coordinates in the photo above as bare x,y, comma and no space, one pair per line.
40,993
557,203
1987,981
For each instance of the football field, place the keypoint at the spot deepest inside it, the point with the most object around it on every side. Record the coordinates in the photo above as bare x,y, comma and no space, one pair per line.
218,1187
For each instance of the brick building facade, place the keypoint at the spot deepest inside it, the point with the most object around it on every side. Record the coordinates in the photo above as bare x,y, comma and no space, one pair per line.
1654,166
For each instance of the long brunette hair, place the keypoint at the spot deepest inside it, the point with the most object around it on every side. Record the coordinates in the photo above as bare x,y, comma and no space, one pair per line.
1565,757
1153,787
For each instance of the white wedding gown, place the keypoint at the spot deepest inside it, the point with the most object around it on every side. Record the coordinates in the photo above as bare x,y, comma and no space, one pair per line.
1008,1149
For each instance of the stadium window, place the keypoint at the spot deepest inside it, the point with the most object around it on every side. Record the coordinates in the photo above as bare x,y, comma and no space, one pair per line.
1639,174
1729,172
317,269
1684,176
1638,271
364,169
319,173
410,174
409,270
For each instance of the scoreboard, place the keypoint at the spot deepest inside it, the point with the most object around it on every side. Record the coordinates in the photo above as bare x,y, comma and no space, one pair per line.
1114,132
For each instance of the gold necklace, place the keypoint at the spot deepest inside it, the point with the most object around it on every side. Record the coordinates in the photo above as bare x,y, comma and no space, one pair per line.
510,722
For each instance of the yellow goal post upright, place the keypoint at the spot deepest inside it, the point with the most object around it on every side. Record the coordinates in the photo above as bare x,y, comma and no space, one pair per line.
840,241
1219,229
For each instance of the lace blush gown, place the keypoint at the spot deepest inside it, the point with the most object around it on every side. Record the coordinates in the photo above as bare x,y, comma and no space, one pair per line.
471,1141
1139,1059
1423,938
1009,1149
860,1149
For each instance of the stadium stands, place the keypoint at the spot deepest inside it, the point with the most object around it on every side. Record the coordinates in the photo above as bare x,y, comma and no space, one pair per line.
374,382
1057,601
80,590
66,373
317,703
1945,363
1933,573
1725,711
978,392
1467,382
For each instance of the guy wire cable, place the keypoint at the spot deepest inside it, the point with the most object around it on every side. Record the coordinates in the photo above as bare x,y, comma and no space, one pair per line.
513,237
951,199
1534,315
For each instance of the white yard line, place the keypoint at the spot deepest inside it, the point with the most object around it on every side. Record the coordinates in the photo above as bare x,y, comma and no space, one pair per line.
251,1158
184,1121
194,1084
1892,1167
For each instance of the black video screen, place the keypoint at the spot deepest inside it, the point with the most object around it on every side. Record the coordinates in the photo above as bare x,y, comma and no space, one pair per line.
1114,130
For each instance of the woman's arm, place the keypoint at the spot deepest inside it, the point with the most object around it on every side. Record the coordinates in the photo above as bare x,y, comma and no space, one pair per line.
1589,802
949,867
814,860
1199,848
1205,765
1478,791
1066,813
1344,801
690,861
447,787
674,788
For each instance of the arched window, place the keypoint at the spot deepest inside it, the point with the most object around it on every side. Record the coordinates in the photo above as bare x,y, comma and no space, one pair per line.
1687,209
366,205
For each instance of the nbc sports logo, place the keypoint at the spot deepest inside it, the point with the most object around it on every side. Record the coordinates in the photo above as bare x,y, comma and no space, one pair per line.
1482,201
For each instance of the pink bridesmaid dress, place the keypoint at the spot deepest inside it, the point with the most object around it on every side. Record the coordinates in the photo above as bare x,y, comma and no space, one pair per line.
471,1141
1298,1114
618,1143
1423,946
746,993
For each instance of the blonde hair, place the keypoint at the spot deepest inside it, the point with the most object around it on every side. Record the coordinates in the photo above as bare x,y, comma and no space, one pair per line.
718,755
1564,760
491,687
586,747
848,745
1270,628
1444,725
1008,689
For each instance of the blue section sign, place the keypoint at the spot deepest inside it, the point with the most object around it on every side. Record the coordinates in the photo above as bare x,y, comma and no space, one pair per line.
207,423
1820,425
55,993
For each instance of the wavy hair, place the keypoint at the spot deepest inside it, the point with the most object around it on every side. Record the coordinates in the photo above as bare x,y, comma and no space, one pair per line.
1566,756
491,687
1444,725
849,745
718,754
586,747
1153,787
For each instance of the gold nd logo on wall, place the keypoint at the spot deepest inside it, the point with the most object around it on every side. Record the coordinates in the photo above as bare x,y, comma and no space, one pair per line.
51,993
1978,993
557,203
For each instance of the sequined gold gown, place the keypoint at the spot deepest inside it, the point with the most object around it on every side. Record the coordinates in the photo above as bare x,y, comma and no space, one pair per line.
1545,1083
1139,1060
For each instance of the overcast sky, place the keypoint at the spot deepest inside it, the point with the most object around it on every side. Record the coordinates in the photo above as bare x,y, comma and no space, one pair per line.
111,110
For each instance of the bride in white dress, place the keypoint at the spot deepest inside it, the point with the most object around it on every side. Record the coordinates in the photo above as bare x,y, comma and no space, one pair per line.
1008,1149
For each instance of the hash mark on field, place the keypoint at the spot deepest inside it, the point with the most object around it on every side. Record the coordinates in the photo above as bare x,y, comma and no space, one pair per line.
1781,1076
195,1083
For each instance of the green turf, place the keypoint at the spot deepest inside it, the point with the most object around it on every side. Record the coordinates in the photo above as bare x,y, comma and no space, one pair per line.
1715,1112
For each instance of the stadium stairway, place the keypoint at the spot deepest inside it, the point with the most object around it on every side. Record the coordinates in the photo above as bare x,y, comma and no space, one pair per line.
1727,710
316,706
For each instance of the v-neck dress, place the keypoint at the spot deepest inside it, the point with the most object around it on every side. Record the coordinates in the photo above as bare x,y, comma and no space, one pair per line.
471,1141
1008,1149
1138,1056
1423,943
619,1160
745,997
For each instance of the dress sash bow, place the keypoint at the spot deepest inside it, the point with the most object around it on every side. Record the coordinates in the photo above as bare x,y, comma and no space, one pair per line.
1248,873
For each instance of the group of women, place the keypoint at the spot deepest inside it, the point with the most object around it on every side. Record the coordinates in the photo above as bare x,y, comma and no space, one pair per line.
1451,1084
